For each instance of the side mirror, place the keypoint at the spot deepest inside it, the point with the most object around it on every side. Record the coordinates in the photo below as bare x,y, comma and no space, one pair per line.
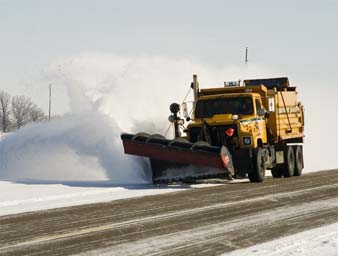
171,118
260,112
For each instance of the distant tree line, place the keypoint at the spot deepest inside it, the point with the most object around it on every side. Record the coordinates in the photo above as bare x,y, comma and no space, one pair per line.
17,111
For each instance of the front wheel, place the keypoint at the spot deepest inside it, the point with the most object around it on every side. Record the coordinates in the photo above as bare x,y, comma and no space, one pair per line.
258,172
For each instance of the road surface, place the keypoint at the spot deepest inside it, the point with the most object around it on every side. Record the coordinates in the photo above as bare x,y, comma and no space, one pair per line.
204,221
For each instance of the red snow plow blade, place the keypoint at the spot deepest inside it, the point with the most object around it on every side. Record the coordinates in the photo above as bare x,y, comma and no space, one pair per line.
179,159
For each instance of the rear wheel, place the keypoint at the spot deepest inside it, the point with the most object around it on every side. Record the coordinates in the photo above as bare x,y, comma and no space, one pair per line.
258,172
289,162
299,162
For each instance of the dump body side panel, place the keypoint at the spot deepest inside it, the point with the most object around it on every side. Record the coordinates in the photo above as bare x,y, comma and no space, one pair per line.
286,121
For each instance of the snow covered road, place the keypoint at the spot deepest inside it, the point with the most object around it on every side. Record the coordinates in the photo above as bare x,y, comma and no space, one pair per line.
318,241
29,195
206,221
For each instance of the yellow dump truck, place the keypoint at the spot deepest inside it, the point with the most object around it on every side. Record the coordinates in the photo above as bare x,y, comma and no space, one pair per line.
239,130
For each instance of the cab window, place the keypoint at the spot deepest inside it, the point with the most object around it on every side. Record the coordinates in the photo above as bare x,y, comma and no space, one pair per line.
258,104
230,105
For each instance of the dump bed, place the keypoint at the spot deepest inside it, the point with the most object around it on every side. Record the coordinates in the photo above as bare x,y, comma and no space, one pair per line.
286,120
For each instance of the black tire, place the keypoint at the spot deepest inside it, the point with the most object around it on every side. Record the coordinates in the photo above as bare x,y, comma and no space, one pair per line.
289,162
276,172
299,161
258,172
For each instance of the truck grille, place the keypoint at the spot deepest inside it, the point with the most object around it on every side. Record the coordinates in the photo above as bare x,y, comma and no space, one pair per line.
217,134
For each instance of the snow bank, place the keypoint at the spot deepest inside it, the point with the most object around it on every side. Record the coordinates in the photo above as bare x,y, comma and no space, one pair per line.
25,196
33,195
319,241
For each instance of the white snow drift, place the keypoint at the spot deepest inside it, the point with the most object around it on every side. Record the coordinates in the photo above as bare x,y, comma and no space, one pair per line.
32,195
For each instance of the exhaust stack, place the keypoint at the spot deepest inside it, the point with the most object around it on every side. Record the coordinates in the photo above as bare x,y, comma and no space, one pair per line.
195,87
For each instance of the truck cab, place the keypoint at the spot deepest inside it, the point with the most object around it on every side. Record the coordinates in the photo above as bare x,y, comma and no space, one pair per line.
237,120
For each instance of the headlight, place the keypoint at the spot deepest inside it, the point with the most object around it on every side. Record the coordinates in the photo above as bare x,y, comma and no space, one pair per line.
247,140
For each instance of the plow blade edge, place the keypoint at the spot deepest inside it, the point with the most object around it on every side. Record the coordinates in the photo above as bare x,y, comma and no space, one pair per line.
179,160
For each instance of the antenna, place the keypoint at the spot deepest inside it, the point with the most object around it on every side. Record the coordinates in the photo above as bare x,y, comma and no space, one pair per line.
50,100
246,55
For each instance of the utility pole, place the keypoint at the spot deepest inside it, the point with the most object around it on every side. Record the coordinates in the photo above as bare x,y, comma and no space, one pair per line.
246,55
50,100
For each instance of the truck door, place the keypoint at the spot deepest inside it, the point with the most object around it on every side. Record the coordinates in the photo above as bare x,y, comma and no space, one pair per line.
260,125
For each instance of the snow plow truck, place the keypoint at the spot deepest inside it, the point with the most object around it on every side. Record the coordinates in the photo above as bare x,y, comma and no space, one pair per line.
236,131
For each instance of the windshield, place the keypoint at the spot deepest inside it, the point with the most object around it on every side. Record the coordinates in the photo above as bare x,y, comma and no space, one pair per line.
235,106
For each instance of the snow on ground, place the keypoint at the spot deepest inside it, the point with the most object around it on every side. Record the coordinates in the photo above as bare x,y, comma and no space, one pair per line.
200,235
32,195
319,241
